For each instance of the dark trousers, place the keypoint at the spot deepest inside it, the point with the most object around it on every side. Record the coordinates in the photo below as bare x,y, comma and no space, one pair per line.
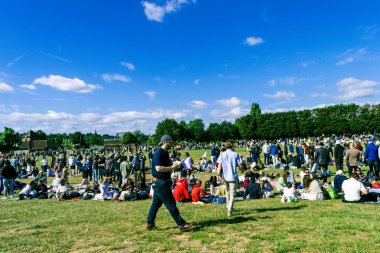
339,163
266,159
374,167
163,195
324,168
351,169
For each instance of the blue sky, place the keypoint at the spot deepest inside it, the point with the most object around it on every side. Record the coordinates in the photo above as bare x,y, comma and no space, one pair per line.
123,65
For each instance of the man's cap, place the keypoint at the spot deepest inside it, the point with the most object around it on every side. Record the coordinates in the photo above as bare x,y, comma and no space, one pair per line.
164,138
339,172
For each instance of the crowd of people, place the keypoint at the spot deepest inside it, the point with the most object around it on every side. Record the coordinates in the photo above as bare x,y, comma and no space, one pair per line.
121,174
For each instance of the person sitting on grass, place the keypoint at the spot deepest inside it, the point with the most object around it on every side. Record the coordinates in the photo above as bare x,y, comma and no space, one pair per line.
354,190
42,191
180,192
84,184
338,180
288,193
362,177
253,190
221,191
211,184
311,188
56,182
266,187
62,192
128,190
197,193
24,193
281,184
105,193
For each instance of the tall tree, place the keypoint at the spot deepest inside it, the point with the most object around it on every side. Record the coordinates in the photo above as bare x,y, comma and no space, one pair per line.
9,139
197,130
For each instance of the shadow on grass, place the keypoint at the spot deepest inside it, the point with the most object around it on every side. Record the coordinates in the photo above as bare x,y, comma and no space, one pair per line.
218,222
262,210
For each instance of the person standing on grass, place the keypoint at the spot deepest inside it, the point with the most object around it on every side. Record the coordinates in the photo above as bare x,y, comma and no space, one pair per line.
9,174
228,162
161,169
371,154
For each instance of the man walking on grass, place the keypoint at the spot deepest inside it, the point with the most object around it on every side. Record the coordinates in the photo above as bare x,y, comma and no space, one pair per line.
228,162
162,167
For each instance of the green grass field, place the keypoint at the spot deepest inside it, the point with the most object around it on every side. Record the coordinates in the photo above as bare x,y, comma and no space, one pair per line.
256,226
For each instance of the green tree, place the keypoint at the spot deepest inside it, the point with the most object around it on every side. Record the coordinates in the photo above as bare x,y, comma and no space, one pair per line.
129,138
197,130
170,127
9,139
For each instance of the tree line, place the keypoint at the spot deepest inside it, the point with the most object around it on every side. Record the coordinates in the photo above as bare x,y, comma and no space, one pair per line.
341,119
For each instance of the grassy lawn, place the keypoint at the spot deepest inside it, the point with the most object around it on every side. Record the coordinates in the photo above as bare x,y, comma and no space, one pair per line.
256,226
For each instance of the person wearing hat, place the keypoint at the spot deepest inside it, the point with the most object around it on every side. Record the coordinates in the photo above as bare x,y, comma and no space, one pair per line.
161,169
372,155
338,180
338,155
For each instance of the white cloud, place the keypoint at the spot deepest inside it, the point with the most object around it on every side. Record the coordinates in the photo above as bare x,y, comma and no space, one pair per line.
157,13
281,95
151,94
197,82
198,104
253,41
351,88
53,122
229,115
128,65
368,32
345,61
28,86
307,64
320,95
231,102
9,64
116,77
5,87
66,84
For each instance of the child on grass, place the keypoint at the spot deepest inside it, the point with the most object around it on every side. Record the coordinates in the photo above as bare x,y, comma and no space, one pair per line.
197,193
288,194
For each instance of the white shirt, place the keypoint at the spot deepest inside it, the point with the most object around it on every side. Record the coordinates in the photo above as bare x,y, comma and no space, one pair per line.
265,148
44,162
26,190
229,161
187,163
352,189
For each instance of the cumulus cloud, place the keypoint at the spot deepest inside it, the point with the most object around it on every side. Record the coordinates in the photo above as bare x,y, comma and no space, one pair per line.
230,114
231,102
281,95
345,61
157,13
253,41
198,104
352,88
5,87
53,122
109,78
151,94
66,84
28,86
128,65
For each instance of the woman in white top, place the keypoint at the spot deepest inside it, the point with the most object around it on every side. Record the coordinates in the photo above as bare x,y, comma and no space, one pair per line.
311,188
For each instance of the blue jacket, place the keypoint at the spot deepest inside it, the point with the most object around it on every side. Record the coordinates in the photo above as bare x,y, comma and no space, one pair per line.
371,152
273,150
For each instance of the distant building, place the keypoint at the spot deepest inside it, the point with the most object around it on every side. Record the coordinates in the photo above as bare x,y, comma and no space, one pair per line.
114,142
31,143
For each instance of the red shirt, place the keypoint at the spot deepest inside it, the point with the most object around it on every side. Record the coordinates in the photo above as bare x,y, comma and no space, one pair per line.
180,192
197,193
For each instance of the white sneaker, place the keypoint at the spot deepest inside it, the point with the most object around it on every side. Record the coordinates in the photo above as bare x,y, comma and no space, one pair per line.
4,198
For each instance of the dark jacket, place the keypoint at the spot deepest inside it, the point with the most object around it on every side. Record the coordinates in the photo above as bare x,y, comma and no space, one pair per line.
253,190
9,172
322,156
338,152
